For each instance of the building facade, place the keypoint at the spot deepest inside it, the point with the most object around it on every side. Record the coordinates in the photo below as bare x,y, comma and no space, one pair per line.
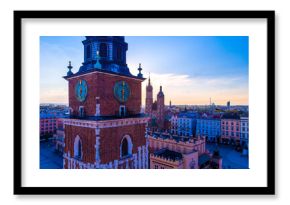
209,127
105,128
164,150
175,152
48,124
174,124
230,130
244,131
184,124
58,137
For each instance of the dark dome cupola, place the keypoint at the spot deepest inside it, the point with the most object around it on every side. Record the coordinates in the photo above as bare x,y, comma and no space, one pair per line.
110,51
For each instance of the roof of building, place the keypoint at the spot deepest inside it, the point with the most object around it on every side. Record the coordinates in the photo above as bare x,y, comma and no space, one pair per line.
154,105
203,159
102,71
168,154
168,136
188,114
231,116
207,116
51,115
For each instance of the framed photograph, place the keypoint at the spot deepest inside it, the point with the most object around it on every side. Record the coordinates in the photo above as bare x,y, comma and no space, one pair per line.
172,102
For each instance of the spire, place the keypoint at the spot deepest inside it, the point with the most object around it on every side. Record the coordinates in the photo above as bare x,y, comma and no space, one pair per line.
69,69
149,83
160,94
140,75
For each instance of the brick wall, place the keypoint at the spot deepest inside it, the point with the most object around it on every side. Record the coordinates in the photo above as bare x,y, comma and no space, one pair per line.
101,85
110,141
88,139
111,138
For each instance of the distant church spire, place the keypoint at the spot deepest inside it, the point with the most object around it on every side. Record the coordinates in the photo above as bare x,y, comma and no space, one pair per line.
149,98
149,83
160,108
160,94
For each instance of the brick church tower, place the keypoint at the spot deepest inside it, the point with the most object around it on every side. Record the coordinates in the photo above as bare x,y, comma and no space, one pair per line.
160,109
149,98
105,128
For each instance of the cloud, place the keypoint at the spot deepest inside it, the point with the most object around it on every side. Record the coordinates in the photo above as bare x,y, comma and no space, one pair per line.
53,95
184,89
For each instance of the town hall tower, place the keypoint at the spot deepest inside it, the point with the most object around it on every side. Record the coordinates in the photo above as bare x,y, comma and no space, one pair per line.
105,128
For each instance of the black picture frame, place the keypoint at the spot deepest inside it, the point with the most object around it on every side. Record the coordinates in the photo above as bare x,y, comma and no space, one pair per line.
269,16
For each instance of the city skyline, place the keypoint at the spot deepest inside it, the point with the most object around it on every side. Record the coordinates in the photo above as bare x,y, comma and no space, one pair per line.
191,69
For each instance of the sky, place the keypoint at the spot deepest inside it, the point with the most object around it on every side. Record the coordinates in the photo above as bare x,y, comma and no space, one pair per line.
191,69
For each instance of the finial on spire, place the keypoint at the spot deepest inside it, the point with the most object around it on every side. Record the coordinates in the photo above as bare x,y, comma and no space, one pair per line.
69,69
97,65
140,75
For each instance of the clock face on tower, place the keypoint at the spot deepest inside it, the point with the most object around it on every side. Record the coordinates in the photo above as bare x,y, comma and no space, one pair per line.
121,91
81,90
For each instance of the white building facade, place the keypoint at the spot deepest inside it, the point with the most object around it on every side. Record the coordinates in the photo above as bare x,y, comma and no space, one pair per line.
244,131
183,124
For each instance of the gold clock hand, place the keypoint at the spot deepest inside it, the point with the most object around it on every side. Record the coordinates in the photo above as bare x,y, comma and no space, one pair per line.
123,91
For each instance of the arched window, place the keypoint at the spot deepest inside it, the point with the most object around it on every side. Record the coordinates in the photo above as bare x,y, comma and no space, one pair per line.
78,148
89,53
103,50
126,147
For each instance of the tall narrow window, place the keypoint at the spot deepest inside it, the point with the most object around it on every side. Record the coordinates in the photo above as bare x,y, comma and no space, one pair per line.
78,148
81,111
89,53
103,50
119,53
122,111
